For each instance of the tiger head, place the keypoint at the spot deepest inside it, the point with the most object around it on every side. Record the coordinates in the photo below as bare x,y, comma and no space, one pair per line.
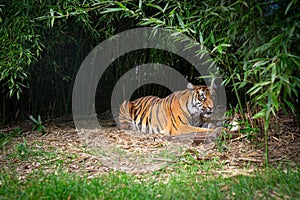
202,100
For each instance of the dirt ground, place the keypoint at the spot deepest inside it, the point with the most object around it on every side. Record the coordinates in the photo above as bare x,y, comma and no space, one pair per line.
94,152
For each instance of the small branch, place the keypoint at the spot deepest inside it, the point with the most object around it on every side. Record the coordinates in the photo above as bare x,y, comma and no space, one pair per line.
8,129
238,138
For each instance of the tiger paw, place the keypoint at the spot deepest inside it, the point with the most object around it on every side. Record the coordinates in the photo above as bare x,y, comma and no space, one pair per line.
213,136
209,125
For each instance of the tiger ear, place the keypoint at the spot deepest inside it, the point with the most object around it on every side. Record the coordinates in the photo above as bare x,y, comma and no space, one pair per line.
212,91
190,86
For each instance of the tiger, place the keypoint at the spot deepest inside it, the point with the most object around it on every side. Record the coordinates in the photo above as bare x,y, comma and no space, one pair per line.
182,112
229,123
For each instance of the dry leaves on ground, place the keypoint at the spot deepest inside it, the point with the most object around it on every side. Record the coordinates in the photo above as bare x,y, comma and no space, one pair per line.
94,152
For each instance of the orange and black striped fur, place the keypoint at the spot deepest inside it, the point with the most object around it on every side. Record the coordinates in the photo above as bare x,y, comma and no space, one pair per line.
181,112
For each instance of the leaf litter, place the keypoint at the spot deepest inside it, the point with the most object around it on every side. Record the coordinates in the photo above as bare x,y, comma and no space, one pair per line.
94,152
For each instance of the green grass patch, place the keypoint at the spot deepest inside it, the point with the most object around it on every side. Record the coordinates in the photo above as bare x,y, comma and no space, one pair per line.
173,183
6,138
32,170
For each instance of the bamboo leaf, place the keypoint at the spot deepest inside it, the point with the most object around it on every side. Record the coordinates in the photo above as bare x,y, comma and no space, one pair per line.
260,63
296,62
262,48
33,119
110,10
254,90
273,75
288,7
260,114
284,79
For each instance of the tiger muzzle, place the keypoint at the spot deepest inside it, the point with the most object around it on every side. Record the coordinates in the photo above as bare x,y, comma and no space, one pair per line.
208,112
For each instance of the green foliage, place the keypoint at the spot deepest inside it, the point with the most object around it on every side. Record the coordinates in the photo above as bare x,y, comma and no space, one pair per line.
20,46
37,124
165,184
25,151
33,170
255,45
248,130
42,46
6,137
221,141
22,150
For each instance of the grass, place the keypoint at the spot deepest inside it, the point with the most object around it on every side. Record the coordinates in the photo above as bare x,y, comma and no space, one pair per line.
178,181
5,138
184,185
188,178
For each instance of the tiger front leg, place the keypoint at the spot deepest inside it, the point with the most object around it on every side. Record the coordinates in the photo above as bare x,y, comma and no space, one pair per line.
186,129
196,133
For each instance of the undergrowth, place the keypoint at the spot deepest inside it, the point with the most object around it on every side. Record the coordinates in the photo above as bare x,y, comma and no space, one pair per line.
175,182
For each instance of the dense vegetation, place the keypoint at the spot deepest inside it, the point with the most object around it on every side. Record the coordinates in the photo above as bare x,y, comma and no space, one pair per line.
255,44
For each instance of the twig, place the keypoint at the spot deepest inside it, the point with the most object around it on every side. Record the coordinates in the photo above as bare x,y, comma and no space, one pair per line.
8,129
238,138
250,159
